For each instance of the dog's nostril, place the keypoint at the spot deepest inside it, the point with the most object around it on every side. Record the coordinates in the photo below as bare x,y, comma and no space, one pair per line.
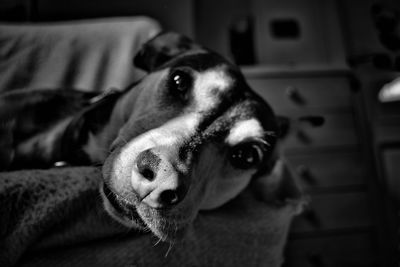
169,197
147,173
147,163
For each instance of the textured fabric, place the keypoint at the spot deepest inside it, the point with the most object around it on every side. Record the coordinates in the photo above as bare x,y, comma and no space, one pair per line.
90,55
54,218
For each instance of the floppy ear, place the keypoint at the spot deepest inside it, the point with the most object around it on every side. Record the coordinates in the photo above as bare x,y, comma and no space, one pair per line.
161,49
279,187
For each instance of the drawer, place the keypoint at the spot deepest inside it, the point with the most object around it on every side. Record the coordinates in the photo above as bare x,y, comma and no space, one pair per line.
388,133
338,130
334,212
293,93
336,169
356,250
391,160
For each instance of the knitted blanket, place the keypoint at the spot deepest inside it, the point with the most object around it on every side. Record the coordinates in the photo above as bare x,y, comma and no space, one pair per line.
55,218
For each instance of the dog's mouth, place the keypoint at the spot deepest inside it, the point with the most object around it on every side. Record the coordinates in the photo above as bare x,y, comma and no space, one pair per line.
122,207
162,224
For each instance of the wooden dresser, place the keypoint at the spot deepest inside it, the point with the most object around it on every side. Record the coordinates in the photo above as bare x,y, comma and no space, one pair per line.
383,128
339,227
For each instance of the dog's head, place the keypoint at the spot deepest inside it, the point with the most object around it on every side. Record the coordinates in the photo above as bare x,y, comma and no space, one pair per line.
194,136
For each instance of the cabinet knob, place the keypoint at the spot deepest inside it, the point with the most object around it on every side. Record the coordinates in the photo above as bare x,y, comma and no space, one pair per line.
311,216
314,121
294,95
305,173
303,137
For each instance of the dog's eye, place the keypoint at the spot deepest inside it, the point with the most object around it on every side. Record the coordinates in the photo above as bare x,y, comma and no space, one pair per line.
246,156
181,82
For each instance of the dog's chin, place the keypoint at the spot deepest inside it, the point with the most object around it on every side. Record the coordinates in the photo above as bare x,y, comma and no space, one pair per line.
144,218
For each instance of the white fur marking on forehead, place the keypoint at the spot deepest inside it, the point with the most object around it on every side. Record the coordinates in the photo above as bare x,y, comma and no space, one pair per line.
243,130
206,82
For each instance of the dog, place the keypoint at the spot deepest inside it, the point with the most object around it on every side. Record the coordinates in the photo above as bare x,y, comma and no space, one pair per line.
189,136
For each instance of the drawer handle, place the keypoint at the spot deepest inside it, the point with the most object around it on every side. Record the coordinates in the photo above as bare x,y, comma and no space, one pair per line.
305,173
293,94
312,217
314,121
303,137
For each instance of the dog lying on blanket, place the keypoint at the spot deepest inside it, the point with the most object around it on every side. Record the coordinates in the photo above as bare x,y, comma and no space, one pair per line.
190,135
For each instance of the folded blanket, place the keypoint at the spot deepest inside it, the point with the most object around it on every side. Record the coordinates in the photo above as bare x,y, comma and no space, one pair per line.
88,55
55,218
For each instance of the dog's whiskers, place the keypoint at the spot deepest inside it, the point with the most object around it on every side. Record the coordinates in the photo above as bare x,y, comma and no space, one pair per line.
109,194
265,142
169,249
96,164
270,133
158,241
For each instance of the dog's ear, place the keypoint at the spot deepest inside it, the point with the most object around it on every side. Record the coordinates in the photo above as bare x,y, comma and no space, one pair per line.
161,49
279,187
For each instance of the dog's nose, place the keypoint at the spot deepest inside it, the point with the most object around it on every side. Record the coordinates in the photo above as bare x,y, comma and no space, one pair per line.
158,184
147,163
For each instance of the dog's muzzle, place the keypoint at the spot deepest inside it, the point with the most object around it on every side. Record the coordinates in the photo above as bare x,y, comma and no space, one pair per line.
122,207
158,179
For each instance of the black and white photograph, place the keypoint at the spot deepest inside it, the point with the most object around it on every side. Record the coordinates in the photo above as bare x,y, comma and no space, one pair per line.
200,133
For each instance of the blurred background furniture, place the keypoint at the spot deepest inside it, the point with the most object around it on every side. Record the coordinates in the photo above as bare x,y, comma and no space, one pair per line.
311,57
382,123
339,227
